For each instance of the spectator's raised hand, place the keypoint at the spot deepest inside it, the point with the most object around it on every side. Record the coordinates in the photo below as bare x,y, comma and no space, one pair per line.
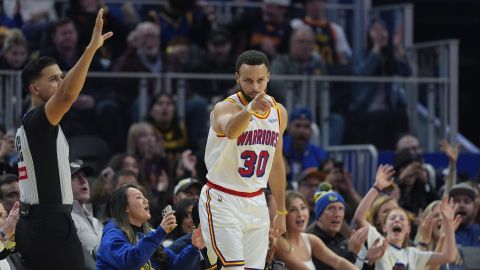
169,222
425,228
9,224
189,161
412,172
377,250
448,208
197,238
449,150
384,177
97,38
357,239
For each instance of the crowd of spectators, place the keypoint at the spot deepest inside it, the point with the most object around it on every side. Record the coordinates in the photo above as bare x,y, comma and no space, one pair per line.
157,160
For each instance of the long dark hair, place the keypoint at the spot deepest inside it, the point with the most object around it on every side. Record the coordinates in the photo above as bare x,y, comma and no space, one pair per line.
387,67
116,206
180,212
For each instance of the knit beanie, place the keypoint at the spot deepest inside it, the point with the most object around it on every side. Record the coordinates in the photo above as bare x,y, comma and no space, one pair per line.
325,196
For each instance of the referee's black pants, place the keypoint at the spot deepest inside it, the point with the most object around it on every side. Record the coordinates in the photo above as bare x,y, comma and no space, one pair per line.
48,240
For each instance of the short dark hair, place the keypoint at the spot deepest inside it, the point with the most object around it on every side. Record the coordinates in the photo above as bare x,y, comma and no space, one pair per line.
5,180
33,70
64,21
252,57
123,172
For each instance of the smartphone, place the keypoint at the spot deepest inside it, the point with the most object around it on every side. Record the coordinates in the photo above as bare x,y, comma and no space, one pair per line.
166,210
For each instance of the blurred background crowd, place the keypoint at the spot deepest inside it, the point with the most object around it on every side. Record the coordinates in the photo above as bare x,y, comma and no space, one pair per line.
143,115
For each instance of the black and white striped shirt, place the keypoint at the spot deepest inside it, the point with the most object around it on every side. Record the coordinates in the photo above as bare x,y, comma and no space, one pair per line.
43,166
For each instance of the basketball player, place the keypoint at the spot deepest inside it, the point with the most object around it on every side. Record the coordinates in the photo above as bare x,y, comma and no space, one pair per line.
243,152
45,234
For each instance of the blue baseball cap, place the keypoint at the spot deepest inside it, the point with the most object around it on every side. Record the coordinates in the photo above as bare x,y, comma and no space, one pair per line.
301,113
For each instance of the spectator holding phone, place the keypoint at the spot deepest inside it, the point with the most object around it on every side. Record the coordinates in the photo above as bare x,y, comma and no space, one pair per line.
129,242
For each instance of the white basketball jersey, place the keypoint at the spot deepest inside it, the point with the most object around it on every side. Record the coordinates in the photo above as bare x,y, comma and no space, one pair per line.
244,164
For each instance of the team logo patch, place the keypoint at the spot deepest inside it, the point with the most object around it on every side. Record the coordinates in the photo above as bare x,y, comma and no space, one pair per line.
332,198
272,120
22,173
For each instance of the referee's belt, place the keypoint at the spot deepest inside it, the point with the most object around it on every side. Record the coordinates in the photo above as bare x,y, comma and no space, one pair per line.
27,209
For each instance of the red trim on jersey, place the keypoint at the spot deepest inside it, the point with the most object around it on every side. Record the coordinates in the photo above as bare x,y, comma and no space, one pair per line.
234,192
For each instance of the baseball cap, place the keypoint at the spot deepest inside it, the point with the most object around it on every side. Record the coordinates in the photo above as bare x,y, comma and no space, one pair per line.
283,3
78,165
301,113
219,36
463,188
185,184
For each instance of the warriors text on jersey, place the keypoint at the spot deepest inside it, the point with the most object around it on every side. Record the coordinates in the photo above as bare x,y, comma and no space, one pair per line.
244,164
43,166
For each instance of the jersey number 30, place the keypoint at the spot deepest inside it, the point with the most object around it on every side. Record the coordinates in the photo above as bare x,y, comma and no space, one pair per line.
251,165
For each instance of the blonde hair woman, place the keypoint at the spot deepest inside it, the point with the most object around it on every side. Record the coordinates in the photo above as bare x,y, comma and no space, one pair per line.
296,248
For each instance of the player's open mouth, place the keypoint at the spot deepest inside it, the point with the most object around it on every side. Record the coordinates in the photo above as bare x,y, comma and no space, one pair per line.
300,222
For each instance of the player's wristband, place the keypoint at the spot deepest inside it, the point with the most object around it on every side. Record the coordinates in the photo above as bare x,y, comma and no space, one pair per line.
282,213
249,108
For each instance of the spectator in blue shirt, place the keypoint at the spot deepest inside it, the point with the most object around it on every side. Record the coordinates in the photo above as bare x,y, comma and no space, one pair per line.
300,153
129,242
468,234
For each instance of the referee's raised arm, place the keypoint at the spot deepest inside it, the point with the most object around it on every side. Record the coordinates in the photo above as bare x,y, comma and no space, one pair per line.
72,84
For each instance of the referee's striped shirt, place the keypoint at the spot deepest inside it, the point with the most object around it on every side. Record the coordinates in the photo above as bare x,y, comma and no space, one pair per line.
43,167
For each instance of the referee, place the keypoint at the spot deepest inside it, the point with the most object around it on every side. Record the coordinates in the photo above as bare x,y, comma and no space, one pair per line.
45,235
